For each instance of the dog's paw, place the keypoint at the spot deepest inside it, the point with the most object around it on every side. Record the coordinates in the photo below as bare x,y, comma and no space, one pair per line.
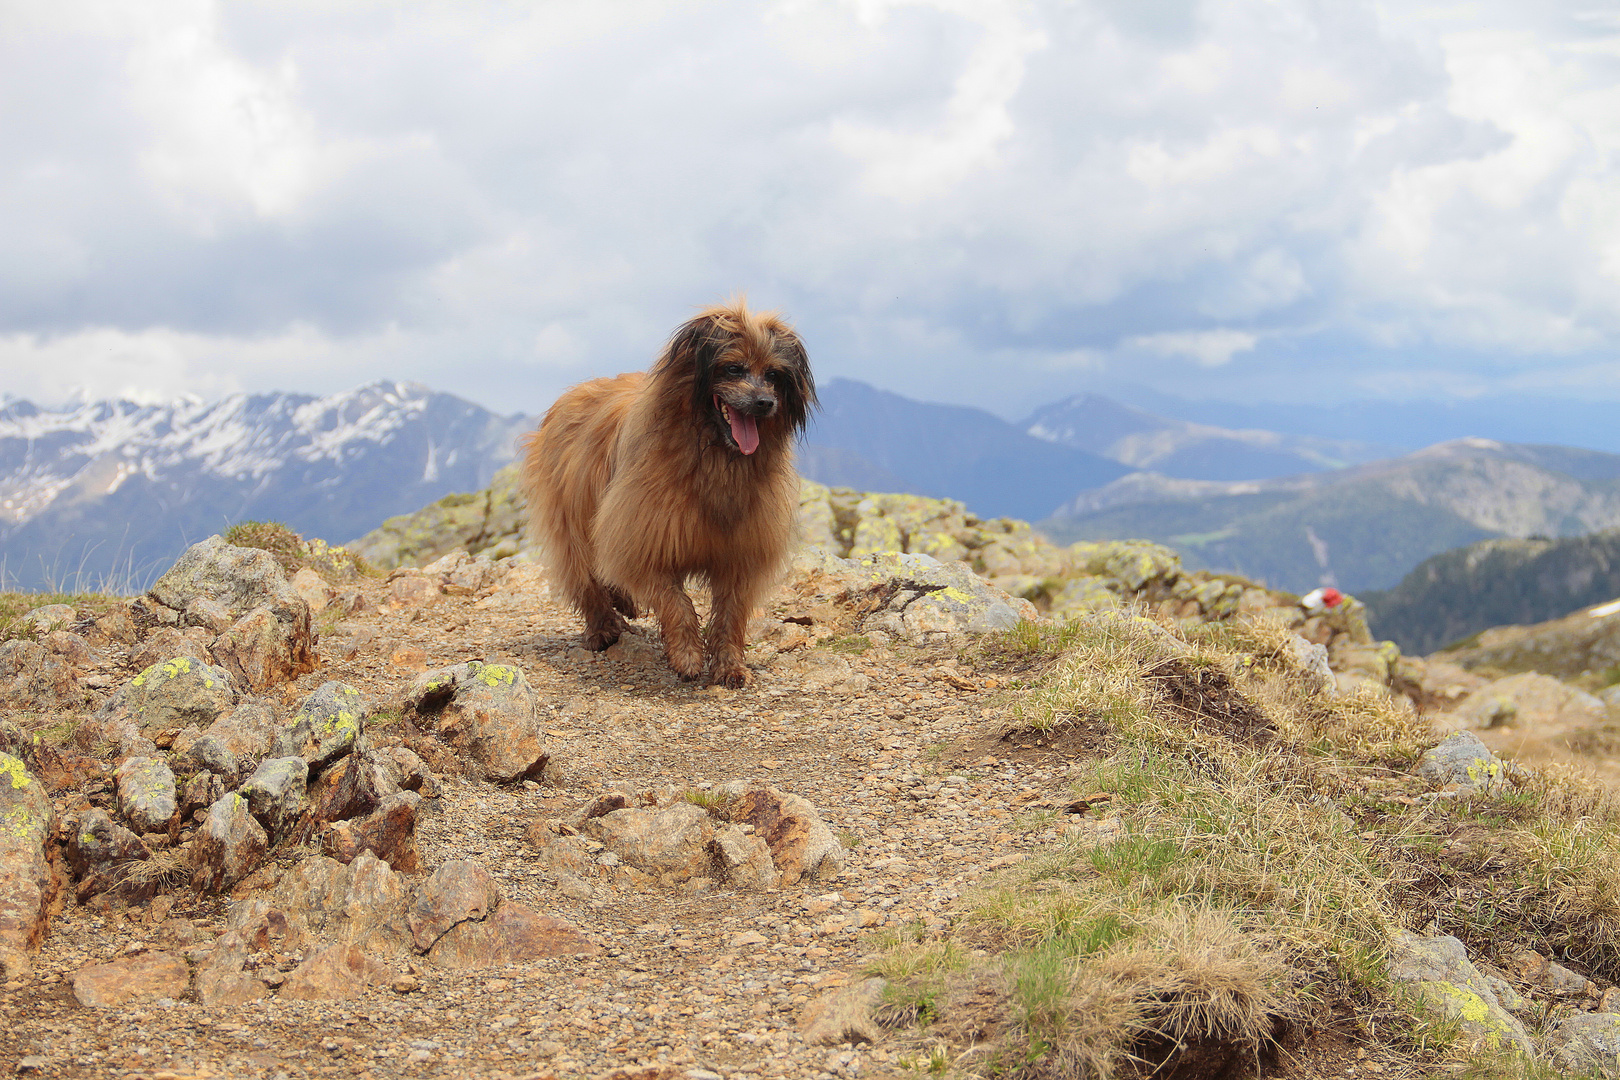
734,676
687,663
601,632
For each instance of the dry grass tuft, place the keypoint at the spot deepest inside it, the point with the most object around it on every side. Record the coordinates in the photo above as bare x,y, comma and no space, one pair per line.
293,552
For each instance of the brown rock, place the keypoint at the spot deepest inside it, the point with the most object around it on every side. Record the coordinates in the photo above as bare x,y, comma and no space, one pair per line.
414,591
512,935
485,711
30,676
202,790
322,900
134,978
389,832
221,982
457,891
334,974
229,847
262,652
352,787
62,767
673,840
113,627
72,648
313,588
801,844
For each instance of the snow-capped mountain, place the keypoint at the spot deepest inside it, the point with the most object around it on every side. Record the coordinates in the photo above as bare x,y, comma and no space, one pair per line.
107,493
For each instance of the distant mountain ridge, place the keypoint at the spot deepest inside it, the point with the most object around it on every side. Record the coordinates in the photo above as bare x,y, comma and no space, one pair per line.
1178,448
1363,527
1494,583
873,440
109,491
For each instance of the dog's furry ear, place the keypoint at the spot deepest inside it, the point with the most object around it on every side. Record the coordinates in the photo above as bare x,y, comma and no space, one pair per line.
691,354
798,389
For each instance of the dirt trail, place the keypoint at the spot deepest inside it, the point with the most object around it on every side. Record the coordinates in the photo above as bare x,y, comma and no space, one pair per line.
707,981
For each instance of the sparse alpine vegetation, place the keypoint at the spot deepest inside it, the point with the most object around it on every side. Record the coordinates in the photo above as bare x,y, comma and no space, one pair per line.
1238,855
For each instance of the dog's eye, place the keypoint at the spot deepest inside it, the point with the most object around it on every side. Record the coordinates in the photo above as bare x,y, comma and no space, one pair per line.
735,370
773,377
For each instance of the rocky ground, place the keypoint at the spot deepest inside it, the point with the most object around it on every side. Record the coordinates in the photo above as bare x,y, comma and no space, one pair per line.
889,743
266,823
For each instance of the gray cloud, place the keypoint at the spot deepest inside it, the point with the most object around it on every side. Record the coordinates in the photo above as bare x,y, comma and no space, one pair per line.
980,202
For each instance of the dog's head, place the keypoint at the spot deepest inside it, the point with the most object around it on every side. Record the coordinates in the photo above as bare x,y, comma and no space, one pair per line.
750,376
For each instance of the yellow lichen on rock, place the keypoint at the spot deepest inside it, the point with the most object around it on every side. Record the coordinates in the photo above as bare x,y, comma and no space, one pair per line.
13,769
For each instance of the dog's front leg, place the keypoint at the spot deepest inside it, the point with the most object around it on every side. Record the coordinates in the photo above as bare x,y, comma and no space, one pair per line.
728,629
677,619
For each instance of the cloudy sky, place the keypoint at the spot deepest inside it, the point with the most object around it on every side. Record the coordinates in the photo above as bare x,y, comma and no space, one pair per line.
995,203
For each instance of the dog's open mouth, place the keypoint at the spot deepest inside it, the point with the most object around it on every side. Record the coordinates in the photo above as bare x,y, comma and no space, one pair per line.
744,428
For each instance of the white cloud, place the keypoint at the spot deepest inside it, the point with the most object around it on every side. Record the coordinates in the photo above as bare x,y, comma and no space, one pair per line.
1209,348
972,201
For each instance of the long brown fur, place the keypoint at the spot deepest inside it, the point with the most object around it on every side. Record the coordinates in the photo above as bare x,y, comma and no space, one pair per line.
636,483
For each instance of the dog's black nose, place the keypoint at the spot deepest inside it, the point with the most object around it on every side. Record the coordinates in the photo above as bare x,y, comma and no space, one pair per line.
760,405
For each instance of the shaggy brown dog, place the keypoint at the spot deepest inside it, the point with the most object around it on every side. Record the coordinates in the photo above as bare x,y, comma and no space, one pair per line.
640,481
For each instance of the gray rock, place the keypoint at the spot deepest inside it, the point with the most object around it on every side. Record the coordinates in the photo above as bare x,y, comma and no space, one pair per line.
1312,660
488,713
244,735
270,640
25,874
1463,760
328,724
208,613
97,842
146,794
1587,1043
924,601
173,694
228,847
275,791
1439,968
239,579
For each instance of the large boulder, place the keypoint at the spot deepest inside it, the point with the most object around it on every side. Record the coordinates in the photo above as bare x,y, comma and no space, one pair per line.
269,640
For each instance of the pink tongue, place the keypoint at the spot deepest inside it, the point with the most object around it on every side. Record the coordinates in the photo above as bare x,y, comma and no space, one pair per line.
745,430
